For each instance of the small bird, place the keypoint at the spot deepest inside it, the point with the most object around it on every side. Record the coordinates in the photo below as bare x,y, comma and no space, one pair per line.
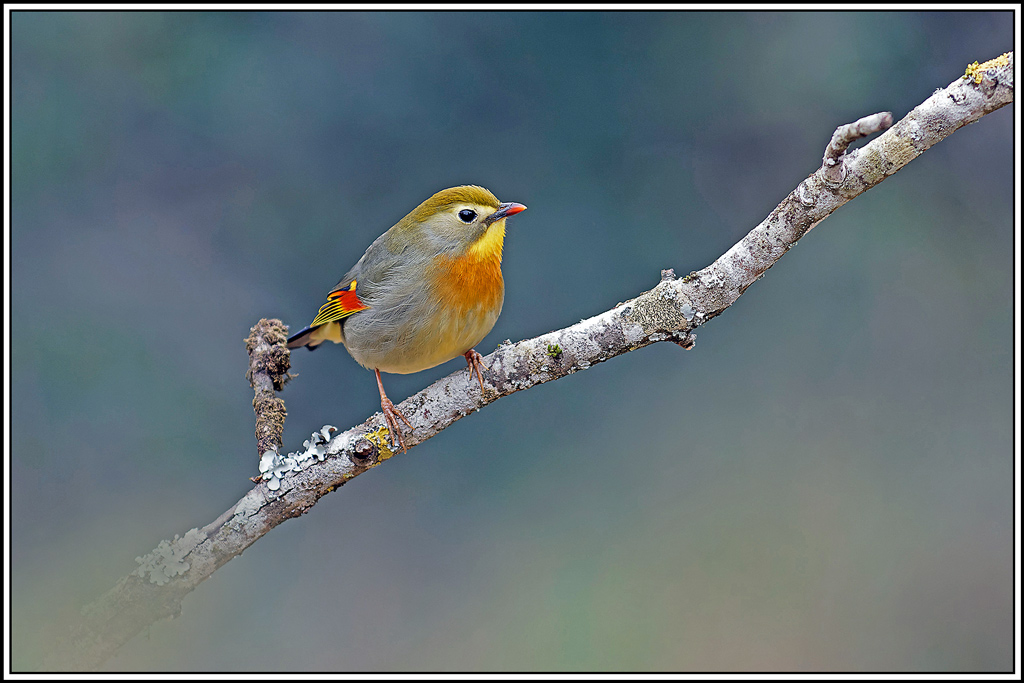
427,290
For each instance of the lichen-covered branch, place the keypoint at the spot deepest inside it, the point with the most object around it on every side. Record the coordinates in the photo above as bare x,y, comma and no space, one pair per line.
847,133
269,361
291,484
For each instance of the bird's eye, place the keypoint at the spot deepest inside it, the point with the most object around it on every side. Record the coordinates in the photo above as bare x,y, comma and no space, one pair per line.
467,215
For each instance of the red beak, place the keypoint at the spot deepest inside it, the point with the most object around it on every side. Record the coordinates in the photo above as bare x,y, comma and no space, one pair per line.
504,211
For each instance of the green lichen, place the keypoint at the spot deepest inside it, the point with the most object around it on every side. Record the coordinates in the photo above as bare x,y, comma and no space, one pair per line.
554,350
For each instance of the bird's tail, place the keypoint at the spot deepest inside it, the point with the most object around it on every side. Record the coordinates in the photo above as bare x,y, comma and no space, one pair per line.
302,338
326,326
314,335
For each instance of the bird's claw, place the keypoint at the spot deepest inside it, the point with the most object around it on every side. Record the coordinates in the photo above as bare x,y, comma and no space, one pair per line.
475,362
391,415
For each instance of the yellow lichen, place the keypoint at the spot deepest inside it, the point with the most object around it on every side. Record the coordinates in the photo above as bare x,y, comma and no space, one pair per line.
381,438
975,70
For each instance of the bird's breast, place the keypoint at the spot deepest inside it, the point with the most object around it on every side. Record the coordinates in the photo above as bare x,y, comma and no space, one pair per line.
455,308
465,285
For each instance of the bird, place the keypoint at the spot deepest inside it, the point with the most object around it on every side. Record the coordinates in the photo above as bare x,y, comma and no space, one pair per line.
426,291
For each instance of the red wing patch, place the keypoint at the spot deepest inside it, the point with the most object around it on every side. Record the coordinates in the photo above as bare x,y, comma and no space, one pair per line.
340,304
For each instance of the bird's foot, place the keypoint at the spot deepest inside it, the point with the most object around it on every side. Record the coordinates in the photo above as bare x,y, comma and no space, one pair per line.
475,362
391,416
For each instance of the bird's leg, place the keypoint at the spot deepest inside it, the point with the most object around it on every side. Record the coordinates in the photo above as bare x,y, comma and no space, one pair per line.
391,413
475,362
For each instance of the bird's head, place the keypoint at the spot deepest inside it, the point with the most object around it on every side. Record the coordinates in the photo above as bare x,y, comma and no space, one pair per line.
461,221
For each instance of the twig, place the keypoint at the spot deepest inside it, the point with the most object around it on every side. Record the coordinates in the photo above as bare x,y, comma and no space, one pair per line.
668,312
844,135
269,361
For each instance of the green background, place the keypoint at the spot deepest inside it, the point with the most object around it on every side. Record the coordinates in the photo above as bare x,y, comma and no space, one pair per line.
824,483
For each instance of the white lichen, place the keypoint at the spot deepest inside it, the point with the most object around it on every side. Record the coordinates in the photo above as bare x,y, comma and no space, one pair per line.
167,559
633,332
712,278
274,467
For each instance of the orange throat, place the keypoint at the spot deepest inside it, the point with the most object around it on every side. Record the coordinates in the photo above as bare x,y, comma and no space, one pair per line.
473,280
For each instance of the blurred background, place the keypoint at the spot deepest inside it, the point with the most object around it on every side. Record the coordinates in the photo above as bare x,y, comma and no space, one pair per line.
824,483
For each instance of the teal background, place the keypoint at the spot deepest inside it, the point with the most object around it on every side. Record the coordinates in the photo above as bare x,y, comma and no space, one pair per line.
825,483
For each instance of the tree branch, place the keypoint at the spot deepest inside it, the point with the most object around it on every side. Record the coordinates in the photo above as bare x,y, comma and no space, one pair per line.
289,485
269,361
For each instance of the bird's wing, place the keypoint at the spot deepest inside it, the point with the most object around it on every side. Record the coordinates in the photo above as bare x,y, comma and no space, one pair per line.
365,276
341,303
